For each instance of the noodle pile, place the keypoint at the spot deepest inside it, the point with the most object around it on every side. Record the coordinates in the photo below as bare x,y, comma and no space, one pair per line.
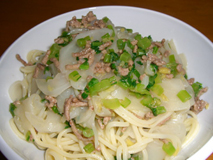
103,92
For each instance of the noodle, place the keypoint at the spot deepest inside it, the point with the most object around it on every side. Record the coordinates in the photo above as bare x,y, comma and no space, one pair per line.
104,93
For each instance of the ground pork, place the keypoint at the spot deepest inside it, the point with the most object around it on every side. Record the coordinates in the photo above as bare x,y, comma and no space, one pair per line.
56,63
103,46
123,71
51,101
18,57
198,106
46,57
101,68
148,115
156,60
191,81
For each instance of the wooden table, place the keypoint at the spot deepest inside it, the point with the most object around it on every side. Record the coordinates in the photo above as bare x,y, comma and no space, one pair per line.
18,16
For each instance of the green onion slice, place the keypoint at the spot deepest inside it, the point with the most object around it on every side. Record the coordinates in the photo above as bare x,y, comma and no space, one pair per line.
169,148
89,148
87,132
111,103
126,102
184,96
75,76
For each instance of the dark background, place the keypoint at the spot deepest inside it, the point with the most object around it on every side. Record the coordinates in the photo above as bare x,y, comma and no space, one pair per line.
18,16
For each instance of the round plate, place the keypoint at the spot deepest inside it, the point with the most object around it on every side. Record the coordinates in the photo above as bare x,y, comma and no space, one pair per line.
197,48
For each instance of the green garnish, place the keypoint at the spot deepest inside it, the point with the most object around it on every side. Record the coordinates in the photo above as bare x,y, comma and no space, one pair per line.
197,86
126,102
89,148
111,103
87,132
75,76
27,136
184,96
169,148
12,107
85,65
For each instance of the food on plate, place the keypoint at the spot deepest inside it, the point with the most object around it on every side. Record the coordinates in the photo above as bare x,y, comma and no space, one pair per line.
106,92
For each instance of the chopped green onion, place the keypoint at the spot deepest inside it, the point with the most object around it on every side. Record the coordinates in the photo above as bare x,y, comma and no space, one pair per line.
84,66
123,85
105,19
96,44
27,136
48,77
111,103
101,86
43,100
169,148
67,37
111,27
89,148
197,86
157,89
158,78
125,56
107,58
158,110
23,98
172,65
88,132
112,80
129,30
150,37
55,110
92,82
172,58
126,102
84,95
155,50
138,37
144,42
140,89
120,44
12,108
129,44
151,81
75,76
113,66
154,67
137,74
46,69
78,126
137,95
147,101
67,125
54,51
184,96
81,42
105,37
153,105
139,62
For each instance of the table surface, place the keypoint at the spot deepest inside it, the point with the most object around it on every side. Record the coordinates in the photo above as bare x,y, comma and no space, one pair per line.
17,17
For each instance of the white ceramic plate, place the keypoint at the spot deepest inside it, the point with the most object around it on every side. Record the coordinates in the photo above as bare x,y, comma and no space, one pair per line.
198,50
